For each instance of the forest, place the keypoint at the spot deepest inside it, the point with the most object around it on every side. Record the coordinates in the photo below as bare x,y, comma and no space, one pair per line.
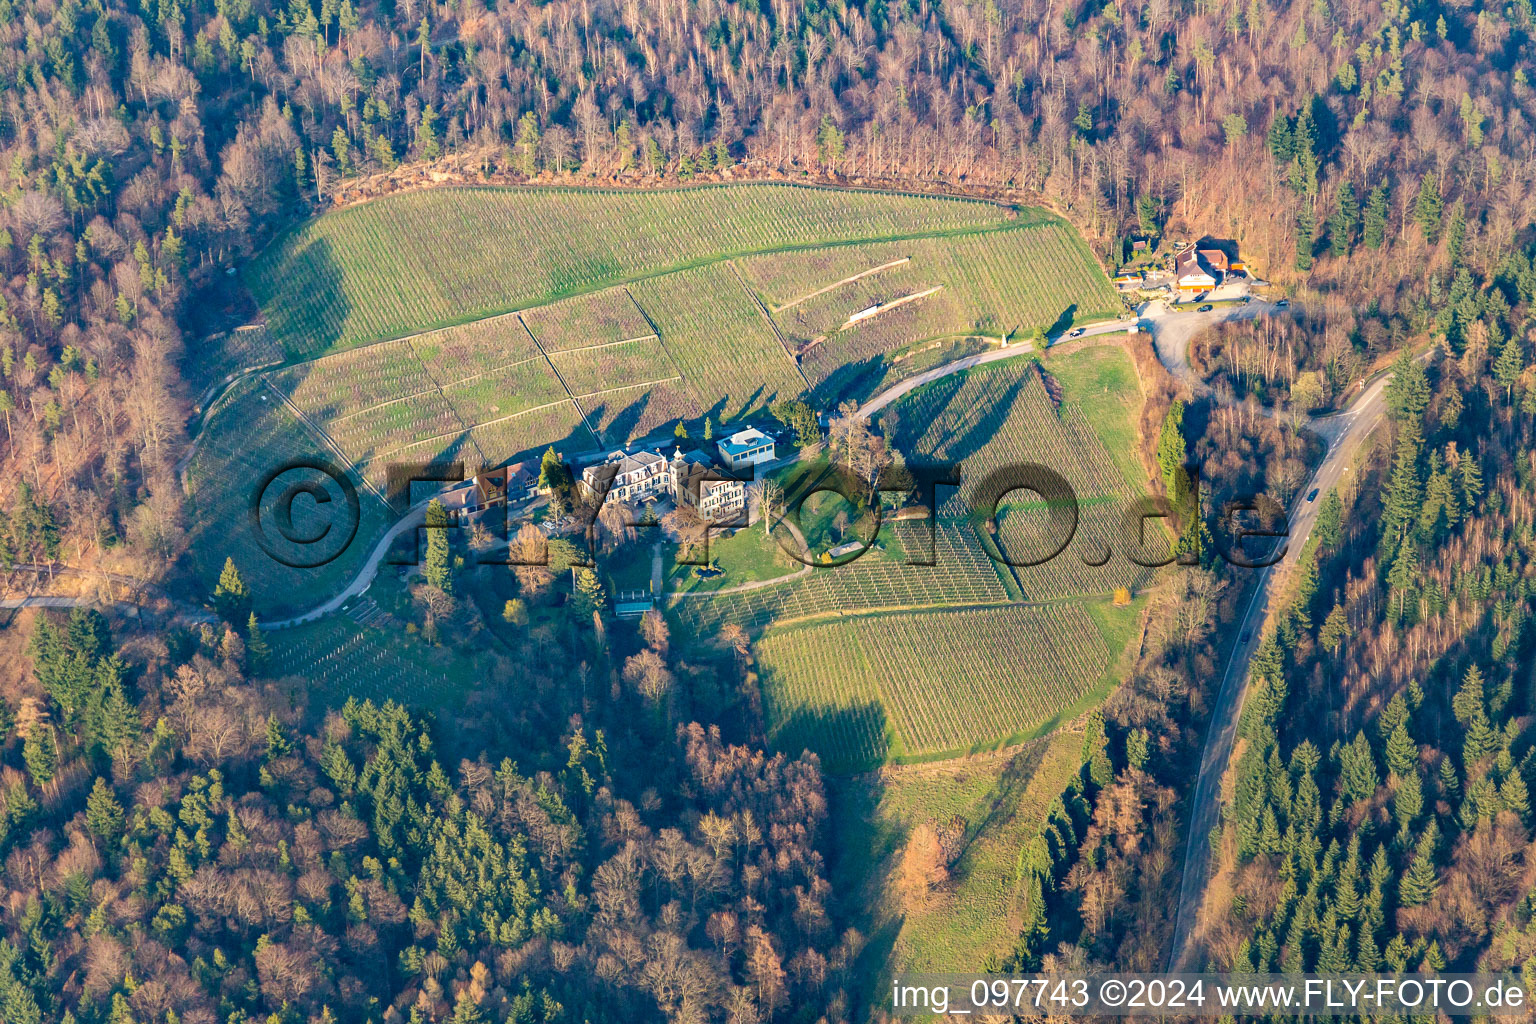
188,839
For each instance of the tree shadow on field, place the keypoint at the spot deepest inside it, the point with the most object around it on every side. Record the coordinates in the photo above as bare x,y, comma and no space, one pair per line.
856,380
458,460
1002,801
846,738
751,403
962,444
1063,322
623,420
305,300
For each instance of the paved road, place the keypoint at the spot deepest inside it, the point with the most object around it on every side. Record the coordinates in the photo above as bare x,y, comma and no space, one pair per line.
1344,432
135,587
895,391
365,575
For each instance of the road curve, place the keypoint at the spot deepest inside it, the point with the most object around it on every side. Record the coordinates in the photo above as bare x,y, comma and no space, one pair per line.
415,517
1344,432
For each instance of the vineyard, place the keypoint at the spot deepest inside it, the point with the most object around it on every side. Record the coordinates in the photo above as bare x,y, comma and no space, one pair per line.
871,376
505,391
963,574
352,382
559,425
623,414
457,353
720,341
212,360
993,284
252,436
490,390
481,393
1002,415
589,371
599,318
431,258
338,658
917,684
640,327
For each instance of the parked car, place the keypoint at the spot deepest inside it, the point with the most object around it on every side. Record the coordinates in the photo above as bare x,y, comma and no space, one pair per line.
1282,303
1205,308
1313,495
1076,332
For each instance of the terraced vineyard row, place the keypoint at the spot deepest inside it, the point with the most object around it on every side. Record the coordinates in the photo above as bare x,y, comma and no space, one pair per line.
559,425
599,318
440,394
505,391
351,382
789,279
963,575
458,353
934,681
418,259
342,659
627,413
492,443
384,428
722,344
589,371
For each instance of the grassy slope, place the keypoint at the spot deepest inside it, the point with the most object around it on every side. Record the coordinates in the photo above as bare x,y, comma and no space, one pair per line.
1002,799
1101,381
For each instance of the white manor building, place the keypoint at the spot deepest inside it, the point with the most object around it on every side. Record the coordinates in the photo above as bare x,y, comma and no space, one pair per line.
644,475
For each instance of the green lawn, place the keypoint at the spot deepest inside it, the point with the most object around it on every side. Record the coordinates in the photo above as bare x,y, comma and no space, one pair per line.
745,557
629,568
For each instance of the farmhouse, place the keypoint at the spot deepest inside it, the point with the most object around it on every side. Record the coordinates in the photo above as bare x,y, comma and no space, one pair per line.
1215,259
490,488
1193,275
746,448
515,482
